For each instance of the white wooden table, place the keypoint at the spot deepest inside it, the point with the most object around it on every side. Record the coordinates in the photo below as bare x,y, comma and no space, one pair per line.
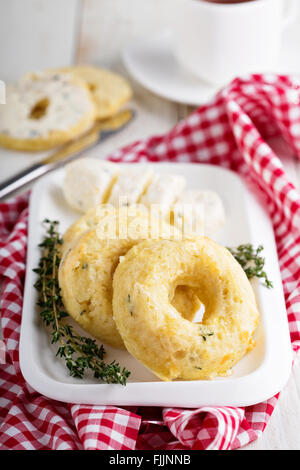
93,31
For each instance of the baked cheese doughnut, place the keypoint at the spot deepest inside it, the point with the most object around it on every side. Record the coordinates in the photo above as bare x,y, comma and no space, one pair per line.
86,269
109,90
44,110
130,185
153,331
199,211
163,191
88,182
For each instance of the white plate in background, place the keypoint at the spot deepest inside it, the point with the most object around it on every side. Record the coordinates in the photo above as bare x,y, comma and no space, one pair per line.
258,376
153,64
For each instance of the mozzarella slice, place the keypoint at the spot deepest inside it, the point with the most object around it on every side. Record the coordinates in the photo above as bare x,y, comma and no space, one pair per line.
130,185
199,211
88,182
163,191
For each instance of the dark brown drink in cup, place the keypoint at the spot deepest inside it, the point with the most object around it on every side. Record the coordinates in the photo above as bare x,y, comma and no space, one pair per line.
228,1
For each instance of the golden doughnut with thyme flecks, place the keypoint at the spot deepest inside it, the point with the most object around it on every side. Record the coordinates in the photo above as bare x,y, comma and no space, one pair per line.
154,333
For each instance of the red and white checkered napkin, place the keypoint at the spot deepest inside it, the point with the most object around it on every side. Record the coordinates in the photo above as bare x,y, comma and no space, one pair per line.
230,132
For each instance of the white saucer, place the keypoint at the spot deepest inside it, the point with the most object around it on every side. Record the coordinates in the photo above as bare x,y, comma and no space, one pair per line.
153,64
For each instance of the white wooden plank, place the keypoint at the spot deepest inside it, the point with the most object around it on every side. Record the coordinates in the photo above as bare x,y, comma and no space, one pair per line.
105,29
36,34
108,25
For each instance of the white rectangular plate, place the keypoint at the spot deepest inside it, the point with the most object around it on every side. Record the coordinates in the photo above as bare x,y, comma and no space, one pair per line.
258,376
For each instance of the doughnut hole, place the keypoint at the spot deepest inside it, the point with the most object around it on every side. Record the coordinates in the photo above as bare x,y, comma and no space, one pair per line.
91,87
39,109
208,300
186,302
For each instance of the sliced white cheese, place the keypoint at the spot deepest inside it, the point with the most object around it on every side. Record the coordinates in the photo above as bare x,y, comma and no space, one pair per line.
88,182
162,192
130,185
199,211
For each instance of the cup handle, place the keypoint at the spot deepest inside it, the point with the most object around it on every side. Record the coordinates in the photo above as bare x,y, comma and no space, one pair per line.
291,12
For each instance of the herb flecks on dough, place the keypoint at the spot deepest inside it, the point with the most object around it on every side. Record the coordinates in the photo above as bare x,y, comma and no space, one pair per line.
130,306
204,334
252,262
79,352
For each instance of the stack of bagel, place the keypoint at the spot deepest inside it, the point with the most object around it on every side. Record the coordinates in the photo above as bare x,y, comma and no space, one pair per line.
53,107
134,281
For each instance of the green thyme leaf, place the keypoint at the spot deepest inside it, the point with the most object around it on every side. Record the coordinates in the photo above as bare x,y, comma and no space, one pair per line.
79,352
252,262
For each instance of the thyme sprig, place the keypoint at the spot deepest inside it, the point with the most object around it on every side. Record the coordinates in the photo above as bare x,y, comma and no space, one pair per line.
252,262
79,352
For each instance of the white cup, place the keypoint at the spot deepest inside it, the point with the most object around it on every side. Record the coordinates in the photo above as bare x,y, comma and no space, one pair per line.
220,41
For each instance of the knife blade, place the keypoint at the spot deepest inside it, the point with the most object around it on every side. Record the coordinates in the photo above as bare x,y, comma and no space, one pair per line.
67,153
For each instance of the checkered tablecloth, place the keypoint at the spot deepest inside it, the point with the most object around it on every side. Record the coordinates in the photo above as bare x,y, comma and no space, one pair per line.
230,131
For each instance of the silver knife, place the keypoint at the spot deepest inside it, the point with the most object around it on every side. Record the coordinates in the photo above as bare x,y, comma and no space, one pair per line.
100,131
